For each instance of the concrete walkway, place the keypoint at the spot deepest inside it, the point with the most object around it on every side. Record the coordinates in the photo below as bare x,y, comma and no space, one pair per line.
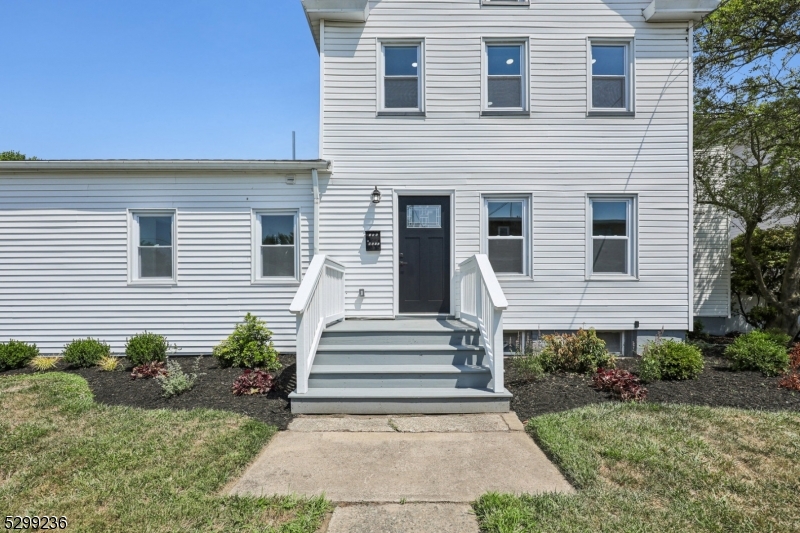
418,473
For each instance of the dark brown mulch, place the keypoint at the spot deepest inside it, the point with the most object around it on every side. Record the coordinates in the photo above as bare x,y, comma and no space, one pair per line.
717,386
212,391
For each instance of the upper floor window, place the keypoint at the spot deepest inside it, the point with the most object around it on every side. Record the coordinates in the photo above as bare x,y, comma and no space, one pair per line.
277,256
612,236
152,257
401,77
611,76
505,65
507,234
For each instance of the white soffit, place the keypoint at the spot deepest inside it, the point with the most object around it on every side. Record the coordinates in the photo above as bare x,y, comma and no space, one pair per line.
678,10
334,10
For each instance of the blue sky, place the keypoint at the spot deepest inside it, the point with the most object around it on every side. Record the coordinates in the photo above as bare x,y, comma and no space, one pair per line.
157,79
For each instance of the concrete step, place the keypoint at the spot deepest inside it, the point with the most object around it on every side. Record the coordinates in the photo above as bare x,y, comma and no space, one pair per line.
419,355
399,376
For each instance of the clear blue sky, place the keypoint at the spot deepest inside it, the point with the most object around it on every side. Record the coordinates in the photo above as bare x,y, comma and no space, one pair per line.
98,79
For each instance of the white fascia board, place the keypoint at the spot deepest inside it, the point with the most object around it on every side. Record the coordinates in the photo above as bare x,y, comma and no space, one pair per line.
163,165
334,10
678,10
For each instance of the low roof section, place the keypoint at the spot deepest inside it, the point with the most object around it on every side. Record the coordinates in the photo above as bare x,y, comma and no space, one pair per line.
163,165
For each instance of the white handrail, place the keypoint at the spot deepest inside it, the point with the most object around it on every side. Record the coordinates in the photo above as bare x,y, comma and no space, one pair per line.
318,303
482,302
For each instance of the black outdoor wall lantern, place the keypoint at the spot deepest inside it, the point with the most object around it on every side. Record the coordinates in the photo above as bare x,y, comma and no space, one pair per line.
376,196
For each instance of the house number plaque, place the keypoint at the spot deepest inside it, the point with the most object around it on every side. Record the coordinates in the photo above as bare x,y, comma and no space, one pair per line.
373,241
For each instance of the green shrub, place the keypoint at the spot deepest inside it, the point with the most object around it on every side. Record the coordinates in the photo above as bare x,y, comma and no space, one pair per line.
16,354
759,350
529,363
147,348
175,381
670,359
83,353
581,352
249,346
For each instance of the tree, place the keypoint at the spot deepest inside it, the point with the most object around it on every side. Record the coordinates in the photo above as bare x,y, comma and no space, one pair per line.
11,155
747,125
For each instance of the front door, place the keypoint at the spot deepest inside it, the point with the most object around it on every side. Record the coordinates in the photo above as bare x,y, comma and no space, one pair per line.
424,255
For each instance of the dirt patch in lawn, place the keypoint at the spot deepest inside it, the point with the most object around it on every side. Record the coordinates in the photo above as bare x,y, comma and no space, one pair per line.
717,386
213,390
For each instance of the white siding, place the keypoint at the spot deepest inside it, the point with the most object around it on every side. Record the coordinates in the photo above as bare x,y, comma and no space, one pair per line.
63,258
712,269
558,154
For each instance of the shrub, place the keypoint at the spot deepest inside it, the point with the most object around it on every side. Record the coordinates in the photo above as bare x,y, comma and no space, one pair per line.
147,348
529,363
253,382
43,364
670,359
249,346
175,381
621,384
148,370
759,350
791,380
16,354
108,363
580,352
83,353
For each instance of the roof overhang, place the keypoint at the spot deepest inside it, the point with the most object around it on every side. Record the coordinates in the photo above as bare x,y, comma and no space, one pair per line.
163,165
336,10
679,10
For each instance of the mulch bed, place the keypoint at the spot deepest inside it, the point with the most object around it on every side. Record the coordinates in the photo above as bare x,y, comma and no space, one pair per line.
717,386
212,390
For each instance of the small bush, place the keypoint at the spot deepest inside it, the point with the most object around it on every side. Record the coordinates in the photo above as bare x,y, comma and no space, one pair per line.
175,381
147,348
529,363
760,351
621,384
253,382
791,380
670,359
581,352
83,353
249,346
43,364
16,354
148,370
108,363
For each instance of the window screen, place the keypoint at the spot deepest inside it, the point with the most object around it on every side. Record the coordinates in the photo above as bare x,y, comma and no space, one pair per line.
609,74
504,83
506,235
277,246
610,236
401,77
155,246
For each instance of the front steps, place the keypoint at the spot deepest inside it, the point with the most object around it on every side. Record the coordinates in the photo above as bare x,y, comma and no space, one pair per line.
400,366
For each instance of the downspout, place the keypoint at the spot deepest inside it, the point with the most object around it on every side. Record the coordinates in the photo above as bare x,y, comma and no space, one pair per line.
315,189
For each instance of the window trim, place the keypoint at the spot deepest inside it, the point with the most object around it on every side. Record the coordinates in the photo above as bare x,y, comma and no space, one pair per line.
401,111
633,237
527,228
255,248
524,44
133,248
630,77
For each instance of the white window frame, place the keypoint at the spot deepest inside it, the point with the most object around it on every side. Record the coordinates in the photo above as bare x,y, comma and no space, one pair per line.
632,201
527,230
630,76
256,266
622,339
523,339
133,247
398,111
522,42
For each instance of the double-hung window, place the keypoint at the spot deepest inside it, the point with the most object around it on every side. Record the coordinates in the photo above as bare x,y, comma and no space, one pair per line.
277,246
152,258
507,234
505,85
611,76
401,78
612,239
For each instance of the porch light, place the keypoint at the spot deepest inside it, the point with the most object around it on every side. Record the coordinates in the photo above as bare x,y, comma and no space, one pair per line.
376,196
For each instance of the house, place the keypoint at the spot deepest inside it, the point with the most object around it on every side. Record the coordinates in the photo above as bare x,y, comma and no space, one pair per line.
510,167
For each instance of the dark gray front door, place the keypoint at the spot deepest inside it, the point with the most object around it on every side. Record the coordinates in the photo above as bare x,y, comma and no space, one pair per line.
424,255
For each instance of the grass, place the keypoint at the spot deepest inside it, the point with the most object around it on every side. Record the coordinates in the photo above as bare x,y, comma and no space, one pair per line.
653,467
123,469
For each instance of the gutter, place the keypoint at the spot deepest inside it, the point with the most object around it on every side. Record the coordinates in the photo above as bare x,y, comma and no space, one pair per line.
163,165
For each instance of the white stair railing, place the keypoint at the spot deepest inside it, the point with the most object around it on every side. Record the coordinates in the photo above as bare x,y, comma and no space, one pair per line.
482,302
318,303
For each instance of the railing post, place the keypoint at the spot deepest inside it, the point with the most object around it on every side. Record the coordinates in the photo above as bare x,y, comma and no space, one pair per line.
301,357
497,342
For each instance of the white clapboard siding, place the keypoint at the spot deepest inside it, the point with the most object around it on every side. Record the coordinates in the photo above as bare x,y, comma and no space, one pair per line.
712,268
64,259
557,155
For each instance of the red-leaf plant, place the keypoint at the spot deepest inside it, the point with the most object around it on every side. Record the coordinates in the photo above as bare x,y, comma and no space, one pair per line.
621,384
253,382
791,380
149,370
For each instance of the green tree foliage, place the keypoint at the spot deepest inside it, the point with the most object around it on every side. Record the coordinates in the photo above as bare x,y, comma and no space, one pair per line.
11,155
747,135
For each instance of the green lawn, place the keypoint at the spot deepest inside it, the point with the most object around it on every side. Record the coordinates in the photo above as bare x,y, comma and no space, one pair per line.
661,468
123,469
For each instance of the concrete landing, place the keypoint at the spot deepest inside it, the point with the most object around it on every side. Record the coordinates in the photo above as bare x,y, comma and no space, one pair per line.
397,518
